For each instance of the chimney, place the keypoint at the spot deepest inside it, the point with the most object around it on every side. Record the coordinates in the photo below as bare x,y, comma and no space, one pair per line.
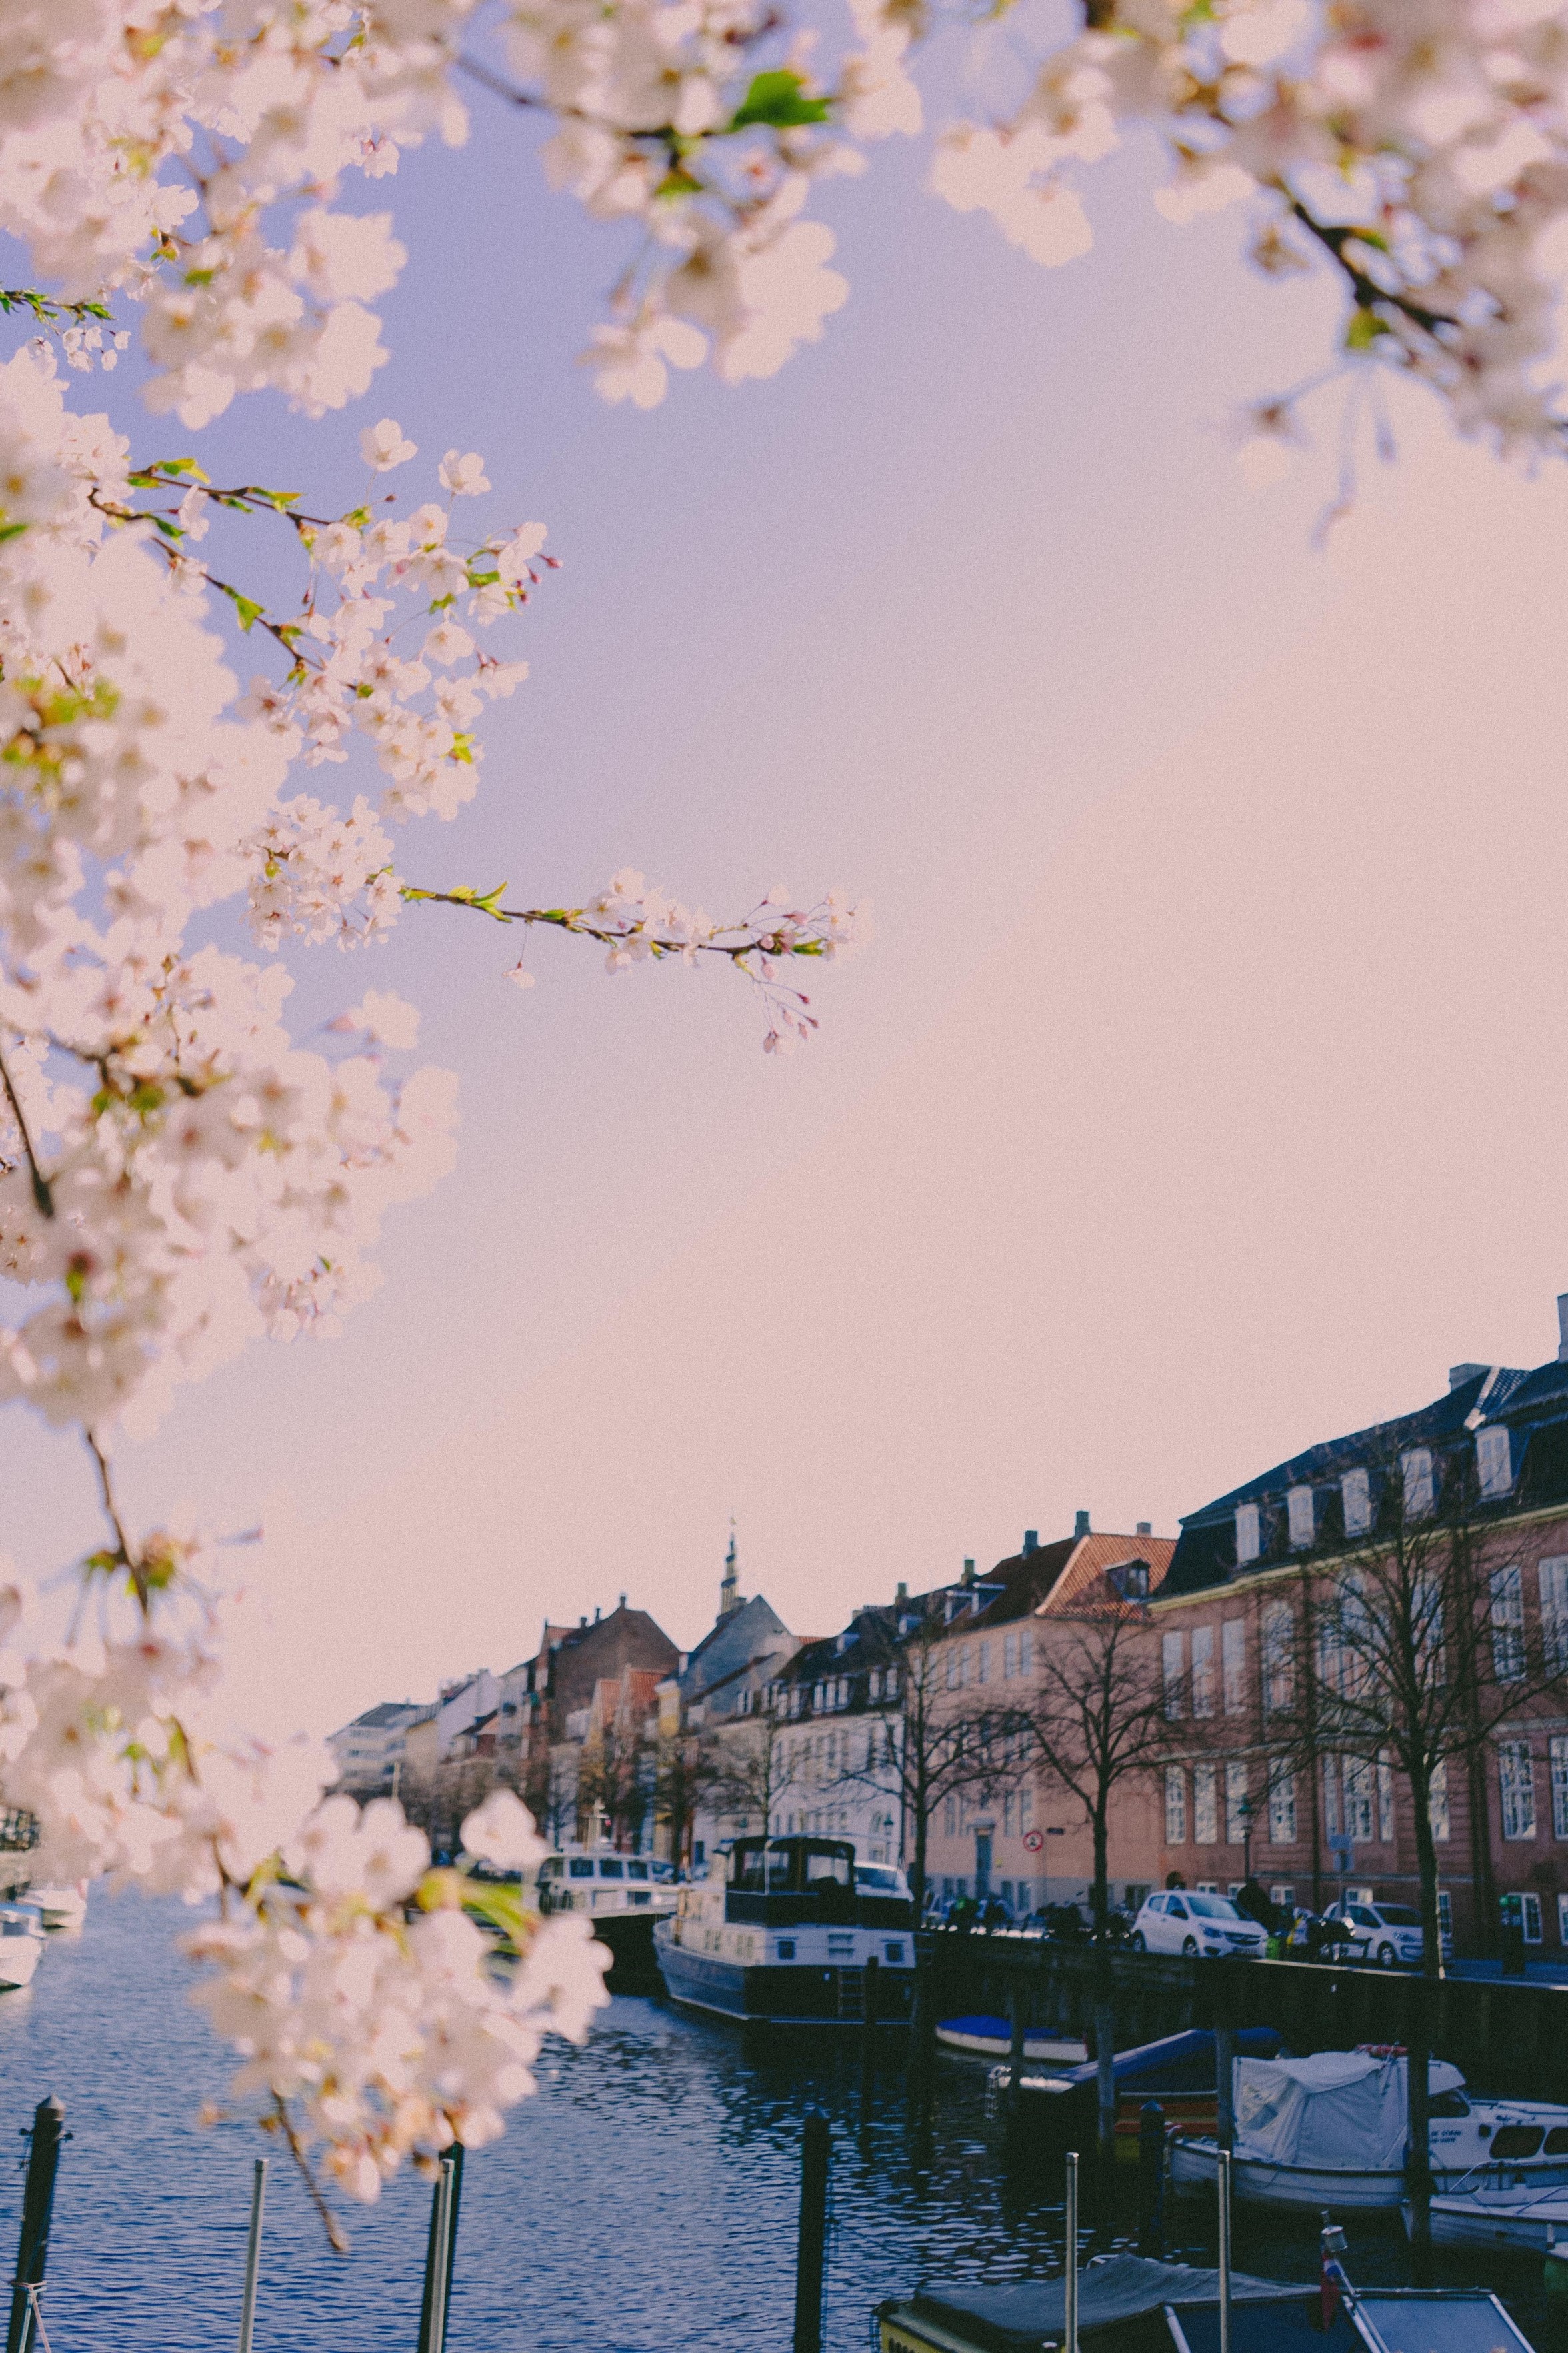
595,1613
1144,1529
1563,1327
1080,1525
969,1572
903,1592
1459,1374
1031,1541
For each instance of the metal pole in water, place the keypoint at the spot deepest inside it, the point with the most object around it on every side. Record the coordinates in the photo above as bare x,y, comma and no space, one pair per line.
1151,2179
1225,2086
1018,2003
811,2255
38,2205
1070,2284
1225,2251
441,2249
253,2256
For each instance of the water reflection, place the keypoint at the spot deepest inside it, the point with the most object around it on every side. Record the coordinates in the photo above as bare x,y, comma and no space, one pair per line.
645,2201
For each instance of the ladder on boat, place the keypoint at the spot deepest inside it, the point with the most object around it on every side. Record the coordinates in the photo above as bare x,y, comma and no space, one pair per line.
851,1996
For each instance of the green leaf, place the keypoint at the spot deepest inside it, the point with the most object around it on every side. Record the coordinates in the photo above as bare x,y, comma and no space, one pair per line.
249,610
779,98
676,182
1364,330
11,531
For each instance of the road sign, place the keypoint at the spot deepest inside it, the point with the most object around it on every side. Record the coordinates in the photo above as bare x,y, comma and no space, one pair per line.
1034,1841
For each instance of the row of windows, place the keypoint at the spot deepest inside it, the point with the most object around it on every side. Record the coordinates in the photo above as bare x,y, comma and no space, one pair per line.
1346,1646
1017,1813
833,1692
970,1662
1494,1474
1358,1797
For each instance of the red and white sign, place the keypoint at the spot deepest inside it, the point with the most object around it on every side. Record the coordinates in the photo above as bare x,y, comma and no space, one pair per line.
1034,1841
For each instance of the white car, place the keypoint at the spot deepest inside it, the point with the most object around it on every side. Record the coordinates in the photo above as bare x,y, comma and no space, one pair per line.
1179,1920
1388,1934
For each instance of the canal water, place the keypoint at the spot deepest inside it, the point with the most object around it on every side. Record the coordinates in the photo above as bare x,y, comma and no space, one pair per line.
644,2202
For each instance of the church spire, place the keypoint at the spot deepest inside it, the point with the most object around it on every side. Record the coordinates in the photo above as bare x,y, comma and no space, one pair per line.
730,1588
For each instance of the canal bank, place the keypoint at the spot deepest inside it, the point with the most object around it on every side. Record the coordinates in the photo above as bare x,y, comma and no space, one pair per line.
645,2202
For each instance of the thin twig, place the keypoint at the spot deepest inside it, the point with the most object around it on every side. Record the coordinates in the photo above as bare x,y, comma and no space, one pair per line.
497,83
41,1193
111,1511
570,919
329,2223
1366,290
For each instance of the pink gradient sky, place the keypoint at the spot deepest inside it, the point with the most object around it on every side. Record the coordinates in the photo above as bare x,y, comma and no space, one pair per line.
1202,1096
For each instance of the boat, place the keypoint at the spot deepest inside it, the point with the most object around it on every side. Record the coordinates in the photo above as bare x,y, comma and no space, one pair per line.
21,1946
1502,2212
1130,2304
1328,2132
783,1938
987,2037
1178,2071
62,1905
619,1893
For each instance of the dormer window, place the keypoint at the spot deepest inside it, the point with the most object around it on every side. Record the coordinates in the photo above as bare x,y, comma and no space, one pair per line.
1355,1492
1303,1524
874,1683
1494,1465
1417,1468
1248,1541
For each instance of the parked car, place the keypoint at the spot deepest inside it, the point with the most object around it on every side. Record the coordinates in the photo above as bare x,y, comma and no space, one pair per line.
1388,1934
1180,1920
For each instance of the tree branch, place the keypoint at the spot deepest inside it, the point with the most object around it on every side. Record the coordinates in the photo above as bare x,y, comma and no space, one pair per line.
41,1193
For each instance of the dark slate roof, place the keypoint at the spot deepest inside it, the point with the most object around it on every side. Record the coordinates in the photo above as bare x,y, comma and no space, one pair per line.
377,1719
1533,1406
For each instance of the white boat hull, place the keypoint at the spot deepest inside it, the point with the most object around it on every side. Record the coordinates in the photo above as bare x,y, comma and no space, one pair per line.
19,1958
62,1907
993,2046
1521,2221
1258,2182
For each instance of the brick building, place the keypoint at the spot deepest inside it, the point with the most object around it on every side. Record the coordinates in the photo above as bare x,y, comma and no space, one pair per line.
1255,1572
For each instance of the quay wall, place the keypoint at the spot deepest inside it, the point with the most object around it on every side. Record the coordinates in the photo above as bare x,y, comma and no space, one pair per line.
1509,2038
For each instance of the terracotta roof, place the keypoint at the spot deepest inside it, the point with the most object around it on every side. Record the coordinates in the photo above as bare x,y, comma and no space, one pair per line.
1054,1576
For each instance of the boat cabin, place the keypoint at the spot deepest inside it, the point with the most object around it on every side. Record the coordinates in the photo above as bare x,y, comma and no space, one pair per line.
595,1883
792,1882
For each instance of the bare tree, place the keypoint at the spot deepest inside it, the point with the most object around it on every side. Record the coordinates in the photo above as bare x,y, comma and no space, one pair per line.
687,1767
754,1767
938,1740
614,1775
1421,1652
1101,1718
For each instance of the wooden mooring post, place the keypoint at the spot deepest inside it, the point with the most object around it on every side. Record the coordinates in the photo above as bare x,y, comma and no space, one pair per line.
38,2206
811,2253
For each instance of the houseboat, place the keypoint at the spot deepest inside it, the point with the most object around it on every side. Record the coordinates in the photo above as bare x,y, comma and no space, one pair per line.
783,1936
619,1894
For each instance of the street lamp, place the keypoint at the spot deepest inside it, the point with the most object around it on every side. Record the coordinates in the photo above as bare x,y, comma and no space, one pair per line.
1246,1811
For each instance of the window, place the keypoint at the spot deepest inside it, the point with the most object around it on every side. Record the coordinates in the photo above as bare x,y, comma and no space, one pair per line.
1009,1657
1136,1585
1437,1802
1493,1468
1530,1906
1247,1544
1202,1669
950,1817
1176,1806
1026,1811
1558,1746
1358,1800
1278,1632
1299,1504
1285,1896
1026,1650
952,1668
1516,1785
1175,1666
1562,1919
1445,1913
1417,1468
1234,1650
1554,1613
1205,1818
1008,1815
1234,1797
1281,1806
1356,1493
1386,1799
1508,1623
1330,1798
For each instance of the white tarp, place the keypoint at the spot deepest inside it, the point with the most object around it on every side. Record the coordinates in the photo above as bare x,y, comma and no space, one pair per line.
1342,2110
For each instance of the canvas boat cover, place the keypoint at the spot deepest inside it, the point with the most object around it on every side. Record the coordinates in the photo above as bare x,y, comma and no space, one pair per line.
1343,2111
1019,2319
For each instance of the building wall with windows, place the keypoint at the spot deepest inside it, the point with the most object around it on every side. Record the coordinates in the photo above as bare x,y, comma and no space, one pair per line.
1254,1572
1028,1840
